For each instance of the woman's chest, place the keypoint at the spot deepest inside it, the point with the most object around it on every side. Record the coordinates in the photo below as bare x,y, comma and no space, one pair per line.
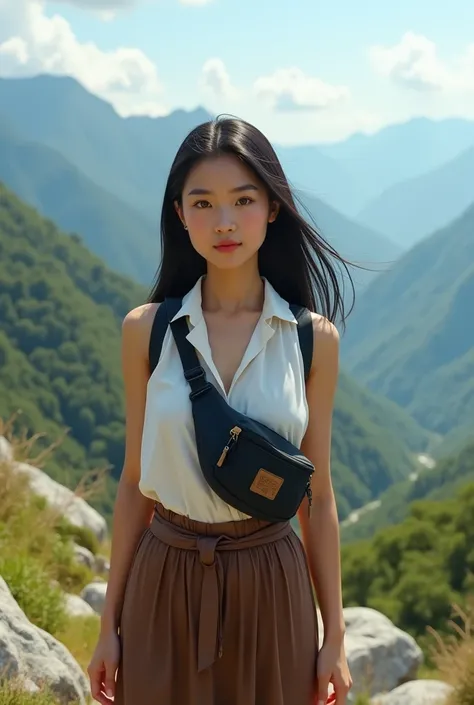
270,388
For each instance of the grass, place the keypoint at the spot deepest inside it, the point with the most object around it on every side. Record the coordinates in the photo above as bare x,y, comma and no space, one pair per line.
80,635
11,693
38,564
454,655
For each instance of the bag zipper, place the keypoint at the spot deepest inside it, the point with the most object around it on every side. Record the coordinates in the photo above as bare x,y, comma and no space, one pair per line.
309,494
234,437
253,437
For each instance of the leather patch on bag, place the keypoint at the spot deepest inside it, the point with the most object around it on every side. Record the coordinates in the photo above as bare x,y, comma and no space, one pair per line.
266,484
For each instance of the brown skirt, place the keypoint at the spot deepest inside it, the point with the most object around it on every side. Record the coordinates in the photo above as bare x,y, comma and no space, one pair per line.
217,614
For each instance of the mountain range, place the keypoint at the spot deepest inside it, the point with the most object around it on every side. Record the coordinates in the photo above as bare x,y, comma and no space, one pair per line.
111,173
398,202
411,335
399,152
415,208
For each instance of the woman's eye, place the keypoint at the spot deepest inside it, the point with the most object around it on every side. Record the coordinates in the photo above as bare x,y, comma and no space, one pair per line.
244,198
202,204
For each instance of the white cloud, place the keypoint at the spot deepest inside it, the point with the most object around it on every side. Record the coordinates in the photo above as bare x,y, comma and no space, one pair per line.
102,4
414,63
215,81
31,43
114,5
292,90
195,3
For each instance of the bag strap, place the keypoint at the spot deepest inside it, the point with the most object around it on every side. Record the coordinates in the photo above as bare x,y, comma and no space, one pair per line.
168,309
157,335
193,370
305,336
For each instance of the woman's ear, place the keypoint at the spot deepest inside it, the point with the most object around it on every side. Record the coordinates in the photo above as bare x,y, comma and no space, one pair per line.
274,210
179,212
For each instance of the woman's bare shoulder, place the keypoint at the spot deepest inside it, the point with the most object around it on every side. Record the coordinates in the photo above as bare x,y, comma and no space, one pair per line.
140,318
136,325
326,340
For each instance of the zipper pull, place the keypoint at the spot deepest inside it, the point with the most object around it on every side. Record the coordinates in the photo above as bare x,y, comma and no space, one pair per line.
223,455
234,435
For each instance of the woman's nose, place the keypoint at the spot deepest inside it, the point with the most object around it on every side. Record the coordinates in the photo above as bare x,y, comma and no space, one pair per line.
225,225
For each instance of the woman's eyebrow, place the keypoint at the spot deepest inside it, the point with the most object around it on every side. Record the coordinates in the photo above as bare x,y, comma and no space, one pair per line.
237,189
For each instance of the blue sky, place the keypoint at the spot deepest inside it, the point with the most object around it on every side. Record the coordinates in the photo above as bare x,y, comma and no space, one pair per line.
304,71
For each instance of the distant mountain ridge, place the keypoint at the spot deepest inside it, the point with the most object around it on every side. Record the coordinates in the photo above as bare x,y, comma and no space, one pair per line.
127,159
413,209
401,152
112,229
411,336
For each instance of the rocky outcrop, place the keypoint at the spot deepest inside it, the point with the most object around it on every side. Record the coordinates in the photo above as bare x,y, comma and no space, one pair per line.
380,655
94,595
98,564
35,657
75,606
422,692
74,508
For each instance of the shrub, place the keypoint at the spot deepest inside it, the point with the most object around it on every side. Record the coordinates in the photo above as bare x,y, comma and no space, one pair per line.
79,534
32,588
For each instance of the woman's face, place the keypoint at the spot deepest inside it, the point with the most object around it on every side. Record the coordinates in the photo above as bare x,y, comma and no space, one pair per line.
226,211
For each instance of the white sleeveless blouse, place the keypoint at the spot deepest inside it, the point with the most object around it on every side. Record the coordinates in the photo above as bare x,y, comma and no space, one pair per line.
269,386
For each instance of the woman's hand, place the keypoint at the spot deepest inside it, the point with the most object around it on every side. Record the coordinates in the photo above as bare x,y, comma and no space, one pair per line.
333,668
103,667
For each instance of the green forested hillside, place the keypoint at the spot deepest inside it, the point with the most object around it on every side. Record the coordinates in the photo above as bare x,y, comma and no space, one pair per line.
415,571
440,482
411,335
373,444
61,311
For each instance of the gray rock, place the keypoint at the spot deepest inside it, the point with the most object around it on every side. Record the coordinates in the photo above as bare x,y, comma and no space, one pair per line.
102,565
380,655
420,692
74,508
94,595
84,556
77,607
36,657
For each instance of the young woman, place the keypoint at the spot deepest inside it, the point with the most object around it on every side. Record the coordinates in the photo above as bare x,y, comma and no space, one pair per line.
184,622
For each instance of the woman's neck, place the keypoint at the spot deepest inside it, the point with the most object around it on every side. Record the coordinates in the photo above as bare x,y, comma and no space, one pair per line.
231,291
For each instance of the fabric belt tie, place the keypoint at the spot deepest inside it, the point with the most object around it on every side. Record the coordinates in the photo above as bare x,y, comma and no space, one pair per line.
210,618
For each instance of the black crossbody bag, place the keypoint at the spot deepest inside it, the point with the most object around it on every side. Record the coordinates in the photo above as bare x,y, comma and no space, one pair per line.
247,464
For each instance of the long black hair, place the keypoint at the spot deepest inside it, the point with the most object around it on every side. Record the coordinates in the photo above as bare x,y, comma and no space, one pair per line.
294,257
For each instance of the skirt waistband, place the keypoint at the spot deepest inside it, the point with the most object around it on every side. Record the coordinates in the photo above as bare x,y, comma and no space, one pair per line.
208,547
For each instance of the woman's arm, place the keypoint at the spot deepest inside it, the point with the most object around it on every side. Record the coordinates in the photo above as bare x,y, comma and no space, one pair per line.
132,511
321,531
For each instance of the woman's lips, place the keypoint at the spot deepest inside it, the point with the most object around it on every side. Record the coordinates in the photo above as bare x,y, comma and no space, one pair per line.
227,246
